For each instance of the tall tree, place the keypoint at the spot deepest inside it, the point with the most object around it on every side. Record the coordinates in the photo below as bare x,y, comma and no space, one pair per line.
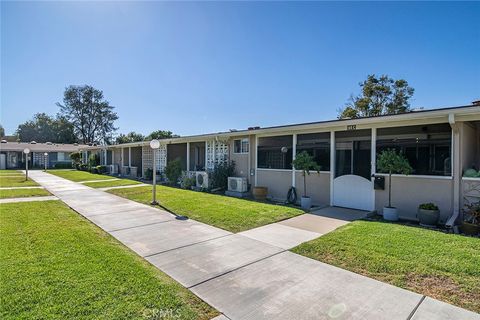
2,131
44,128
91,115
129,137
161,134
380,96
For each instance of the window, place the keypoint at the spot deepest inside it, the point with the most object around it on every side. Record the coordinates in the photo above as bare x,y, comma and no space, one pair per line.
318,146
427,148
61,156
275,152
241,146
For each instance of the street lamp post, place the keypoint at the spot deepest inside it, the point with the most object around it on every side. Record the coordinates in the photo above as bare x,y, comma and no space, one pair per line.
46,160
26,151
154,144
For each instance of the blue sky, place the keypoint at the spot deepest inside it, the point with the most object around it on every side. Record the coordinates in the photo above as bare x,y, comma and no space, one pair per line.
206,67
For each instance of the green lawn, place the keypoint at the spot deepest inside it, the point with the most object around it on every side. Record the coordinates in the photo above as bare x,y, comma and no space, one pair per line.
113,183
21,193
16,182
56,265
228,213
10,172
443,266
77,176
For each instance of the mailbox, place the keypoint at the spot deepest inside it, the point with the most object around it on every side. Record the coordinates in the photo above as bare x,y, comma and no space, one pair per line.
379,183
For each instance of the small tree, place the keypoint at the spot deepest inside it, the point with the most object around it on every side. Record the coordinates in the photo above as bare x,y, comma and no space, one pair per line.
173,171
305,162
93,161
220,174
390,161
76,158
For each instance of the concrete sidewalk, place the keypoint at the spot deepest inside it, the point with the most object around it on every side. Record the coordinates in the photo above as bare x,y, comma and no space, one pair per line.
242,276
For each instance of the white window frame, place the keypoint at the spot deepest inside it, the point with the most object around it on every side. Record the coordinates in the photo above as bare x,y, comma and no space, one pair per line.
242,149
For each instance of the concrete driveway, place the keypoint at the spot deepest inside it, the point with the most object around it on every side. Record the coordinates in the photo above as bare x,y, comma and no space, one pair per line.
240,275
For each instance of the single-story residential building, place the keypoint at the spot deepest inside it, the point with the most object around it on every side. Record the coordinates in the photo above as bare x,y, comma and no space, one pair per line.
13,157
440,145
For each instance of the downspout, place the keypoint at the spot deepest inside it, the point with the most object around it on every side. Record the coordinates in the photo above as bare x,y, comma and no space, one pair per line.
456,173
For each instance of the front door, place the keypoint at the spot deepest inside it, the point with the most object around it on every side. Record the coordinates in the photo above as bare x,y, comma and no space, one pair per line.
352,185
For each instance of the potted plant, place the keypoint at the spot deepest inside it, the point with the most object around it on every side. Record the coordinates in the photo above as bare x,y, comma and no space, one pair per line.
390,161
428,214
471,219
304,161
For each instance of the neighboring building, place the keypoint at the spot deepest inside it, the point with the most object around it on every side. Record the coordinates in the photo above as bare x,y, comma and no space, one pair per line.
440,145
12,156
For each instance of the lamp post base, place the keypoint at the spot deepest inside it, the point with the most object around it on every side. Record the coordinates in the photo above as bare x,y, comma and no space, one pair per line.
155,203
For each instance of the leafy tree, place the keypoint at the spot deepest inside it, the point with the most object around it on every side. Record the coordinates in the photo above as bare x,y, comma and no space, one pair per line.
173,171
2,131
305,162
91,115
161,134
76,158
221,172
380,96
129,137
44,128
390,161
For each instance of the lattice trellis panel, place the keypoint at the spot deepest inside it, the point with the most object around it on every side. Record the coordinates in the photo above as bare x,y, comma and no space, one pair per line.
161,157
217,152
471,190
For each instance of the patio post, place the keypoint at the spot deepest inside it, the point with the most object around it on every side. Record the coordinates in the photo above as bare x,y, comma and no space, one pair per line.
294,155
188,157
332,164
373,163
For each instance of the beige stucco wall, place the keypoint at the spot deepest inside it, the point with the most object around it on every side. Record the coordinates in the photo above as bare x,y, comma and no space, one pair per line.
408,192
243,161
277,181
318,187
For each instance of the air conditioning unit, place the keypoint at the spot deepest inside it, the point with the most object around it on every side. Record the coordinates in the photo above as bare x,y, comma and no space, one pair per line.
202,179
113,169
237,184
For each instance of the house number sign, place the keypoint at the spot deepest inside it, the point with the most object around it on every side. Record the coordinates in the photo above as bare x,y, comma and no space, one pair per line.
352,127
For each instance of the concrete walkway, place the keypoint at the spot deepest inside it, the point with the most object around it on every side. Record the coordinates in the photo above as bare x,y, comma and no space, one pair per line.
243,277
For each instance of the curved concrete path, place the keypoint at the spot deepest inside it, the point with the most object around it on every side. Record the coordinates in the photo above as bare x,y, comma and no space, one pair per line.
243,277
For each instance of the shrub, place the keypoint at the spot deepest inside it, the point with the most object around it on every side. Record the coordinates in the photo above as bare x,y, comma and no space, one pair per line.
173,171
63,165
101,169
93,160
83,167
149,174
428,206
220,174
76,158
187,182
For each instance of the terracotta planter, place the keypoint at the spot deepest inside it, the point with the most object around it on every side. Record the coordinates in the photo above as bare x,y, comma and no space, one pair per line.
470,229
260,193
428,217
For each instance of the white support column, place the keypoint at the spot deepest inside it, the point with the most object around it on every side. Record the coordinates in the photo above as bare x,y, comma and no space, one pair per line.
129,156
256,160
332,164
294,155
456,157
121,158
206,155
188,156
105,157
373,163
